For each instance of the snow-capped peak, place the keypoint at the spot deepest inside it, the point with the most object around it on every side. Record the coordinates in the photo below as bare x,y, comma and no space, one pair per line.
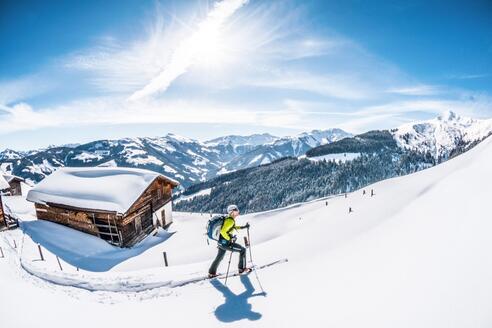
237,140
441,135
180,138
448,115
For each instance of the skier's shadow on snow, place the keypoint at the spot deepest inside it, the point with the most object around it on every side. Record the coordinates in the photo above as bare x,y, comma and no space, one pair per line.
236,307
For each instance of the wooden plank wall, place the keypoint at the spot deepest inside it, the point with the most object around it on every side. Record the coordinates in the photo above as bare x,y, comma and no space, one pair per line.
89,222
110,226
158,193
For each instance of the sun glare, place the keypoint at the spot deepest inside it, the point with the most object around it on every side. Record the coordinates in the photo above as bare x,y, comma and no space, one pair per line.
208,47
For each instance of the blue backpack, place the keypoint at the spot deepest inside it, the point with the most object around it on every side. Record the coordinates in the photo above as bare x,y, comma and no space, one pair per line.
214,225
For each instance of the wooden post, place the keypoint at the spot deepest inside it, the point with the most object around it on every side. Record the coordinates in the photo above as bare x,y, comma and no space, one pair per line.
1,252
40,252
110,230
165,258
15,244
121,237
59,263
246,243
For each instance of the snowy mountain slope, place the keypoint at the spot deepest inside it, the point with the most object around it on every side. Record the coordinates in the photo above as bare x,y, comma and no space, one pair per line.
185,159
237,141
445,136
9,154
188,161
414,255
442,135
285,147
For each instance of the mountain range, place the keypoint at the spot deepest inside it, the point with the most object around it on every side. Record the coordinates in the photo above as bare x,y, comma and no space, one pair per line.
186,160
338,167
192,162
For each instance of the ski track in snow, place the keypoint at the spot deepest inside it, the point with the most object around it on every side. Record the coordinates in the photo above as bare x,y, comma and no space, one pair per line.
106,291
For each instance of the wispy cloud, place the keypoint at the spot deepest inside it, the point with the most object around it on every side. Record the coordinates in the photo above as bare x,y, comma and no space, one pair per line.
467,76
260,36
416,90
335,85
117,111
203,42
18,89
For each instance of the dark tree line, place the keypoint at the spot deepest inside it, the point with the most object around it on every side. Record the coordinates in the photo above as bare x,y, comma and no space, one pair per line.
292,180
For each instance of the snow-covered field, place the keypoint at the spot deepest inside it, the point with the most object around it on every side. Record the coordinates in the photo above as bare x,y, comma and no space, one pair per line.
416,254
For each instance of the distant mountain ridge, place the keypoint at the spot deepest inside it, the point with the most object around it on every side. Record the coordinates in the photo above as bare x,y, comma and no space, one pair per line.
361,160
188,161
193,162
440,137
284,147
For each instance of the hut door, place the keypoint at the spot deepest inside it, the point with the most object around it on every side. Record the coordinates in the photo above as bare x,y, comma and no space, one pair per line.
138,224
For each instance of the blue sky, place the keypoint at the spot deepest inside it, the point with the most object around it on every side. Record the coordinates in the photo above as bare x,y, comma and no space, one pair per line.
75,71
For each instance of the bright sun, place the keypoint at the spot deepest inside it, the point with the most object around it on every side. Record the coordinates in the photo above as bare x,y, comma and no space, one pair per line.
209,47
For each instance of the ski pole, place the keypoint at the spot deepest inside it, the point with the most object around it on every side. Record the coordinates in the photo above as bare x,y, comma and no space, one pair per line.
249,242
228,266
252,264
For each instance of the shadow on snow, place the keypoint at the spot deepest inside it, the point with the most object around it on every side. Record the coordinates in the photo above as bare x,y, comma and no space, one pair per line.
236,307
83,250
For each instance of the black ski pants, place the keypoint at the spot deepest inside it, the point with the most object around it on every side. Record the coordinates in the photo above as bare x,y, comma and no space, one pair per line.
234,247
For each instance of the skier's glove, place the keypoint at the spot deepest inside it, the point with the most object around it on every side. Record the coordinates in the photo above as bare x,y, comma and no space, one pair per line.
233,240
246,226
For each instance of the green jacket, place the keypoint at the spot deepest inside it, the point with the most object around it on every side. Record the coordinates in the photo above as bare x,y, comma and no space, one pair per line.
227,227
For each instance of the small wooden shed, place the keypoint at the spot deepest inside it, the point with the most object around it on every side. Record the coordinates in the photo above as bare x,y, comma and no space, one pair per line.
119,205
14,184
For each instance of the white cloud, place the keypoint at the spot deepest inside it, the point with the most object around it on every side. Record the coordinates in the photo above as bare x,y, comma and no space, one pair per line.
252,44
117,111
24,87
21,116
343,86
467,76
201,45
416,90
366,123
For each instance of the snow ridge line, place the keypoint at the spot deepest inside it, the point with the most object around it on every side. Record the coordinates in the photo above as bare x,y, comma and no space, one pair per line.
112,285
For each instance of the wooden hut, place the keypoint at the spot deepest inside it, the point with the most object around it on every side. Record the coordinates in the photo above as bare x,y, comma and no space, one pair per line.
119,205
14,185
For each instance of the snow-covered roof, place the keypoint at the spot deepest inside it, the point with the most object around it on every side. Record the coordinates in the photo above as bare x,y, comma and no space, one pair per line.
10,177
3,183
99,188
